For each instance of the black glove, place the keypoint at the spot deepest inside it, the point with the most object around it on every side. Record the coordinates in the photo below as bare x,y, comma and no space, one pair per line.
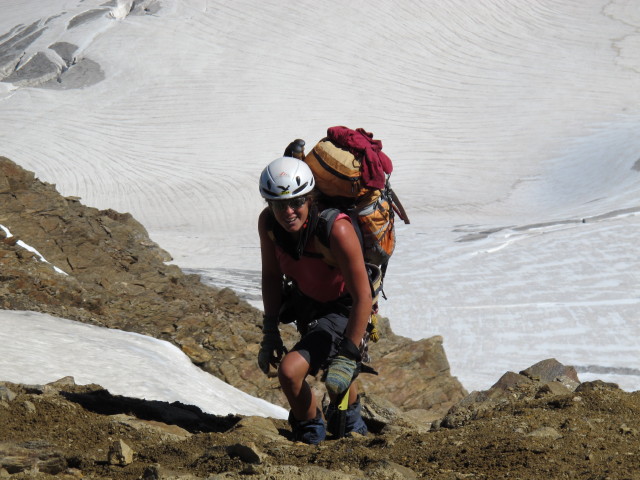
271,348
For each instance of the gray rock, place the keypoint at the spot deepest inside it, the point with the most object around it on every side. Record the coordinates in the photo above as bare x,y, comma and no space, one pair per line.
120,454
6,395
597,386
87,17
378,412
508,381
419,419
29,407
548,377
58,385
14,44
553,388
83,73
551,370
545,432
38,69
66,51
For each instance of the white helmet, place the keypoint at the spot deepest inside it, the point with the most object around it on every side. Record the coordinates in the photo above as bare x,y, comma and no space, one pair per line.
286,177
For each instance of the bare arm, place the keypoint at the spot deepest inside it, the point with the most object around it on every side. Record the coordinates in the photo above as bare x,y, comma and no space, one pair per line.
345,246
271,274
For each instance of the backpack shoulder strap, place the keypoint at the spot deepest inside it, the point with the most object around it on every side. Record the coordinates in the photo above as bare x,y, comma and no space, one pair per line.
326,219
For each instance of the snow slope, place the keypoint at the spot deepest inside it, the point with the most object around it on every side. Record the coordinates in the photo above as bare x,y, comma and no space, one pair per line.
38,349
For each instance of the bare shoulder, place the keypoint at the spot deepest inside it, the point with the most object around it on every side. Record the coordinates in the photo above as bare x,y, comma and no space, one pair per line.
341,225
343,233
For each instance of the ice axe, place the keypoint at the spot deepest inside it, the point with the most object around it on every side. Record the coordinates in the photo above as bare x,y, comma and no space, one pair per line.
343,405
342,400
295,149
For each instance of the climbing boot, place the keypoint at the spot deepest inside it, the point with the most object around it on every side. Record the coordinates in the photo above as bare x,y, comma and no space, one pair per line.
308,431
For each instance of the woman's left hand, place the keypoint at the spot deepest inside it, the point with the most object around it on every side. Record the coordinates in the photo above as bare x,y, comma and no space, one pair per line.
343,369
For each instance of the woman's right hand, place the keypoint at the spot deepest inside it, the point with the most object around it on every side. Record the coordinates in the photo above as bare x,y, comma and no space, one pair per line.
271,351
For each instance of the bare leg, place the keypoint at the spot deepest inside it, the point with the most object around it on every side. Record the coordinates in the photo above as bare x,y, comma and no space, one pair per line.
292,373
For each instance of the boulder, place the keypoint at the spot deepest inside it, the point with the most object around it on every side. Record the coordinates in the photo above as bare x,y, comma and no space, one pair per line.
6,395
548,378
120,454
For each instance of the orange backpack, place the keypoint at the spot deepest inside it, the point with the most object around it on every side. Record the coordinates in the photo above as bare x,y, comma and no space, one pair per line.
338,172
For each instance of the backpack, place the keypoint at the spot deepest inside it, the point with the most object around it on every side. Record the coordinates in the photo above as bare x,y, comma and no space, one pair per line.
352,174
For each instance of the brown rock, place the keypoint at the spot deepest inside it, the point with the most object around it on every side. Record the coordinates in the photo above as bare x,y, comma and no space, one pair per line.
553,388
166,431
196,353
248,452
257,426
35,456
12,177
412,374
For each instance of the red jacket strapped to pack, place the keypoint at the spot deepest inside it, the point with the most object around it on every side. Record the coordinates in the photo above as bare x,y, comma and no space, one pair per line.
375,163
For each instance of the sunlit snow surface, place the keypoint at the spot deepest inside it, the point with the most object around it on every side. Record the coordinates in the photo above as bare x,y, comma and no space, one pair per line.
513,127
38,349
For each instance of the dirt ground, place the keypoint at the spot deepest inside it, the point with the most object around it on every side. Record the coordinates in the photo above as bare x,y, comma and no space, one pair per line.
68,430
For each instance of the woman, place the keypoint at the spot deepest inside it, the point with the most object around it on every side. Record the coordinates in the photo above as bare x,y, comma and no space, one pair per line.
335,304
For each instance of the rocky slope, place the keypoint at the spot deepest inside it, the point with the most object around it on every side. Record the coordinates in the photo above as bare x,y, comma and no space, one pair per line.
117,278
539,423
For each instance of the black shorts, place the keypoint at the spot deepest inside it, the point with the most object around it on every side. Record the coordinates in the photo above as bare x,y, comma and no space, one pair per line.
321,340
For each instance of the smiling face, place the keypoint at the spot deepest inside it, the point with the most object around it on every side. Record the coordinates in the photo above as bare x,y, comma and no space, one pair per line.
292,213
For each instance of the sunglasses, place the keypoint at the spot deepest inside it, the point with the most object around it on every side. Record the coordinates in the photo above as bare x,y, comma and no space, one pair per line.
282,205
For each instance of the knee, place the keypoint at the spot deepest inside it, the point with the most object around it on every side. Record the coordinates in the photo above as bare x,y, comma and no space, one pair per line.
292,370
